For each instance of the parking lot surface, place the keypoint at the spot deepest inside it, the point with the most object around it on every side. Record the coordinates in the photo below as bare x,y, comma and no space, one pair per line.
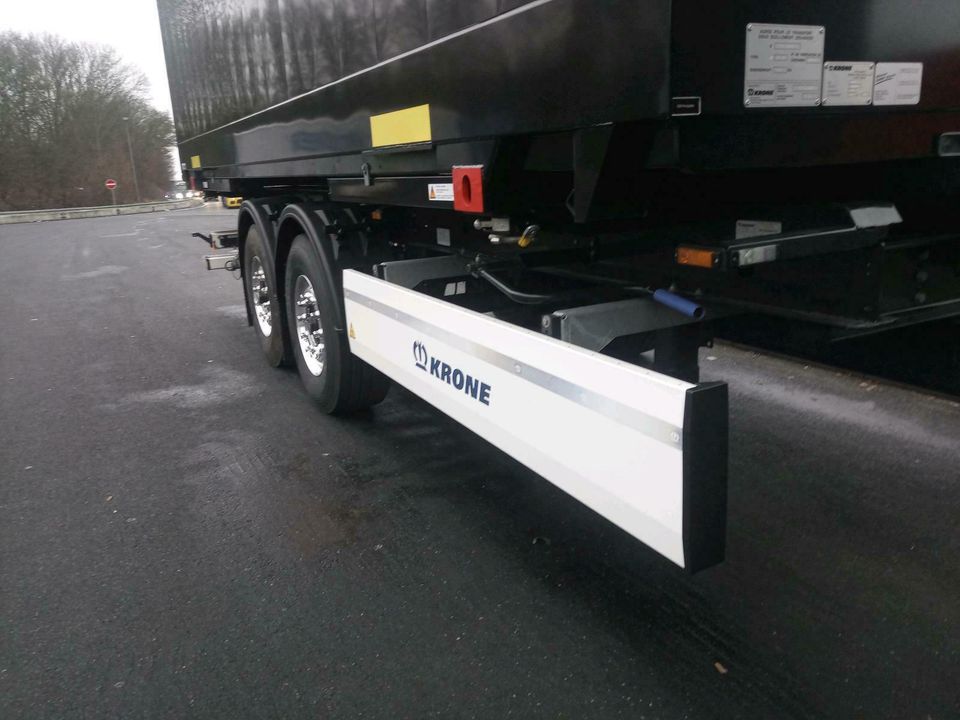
182,534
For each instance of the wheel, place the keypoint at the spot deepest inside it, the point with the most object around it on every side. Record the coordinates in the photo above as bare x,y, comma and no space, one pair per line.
338,381
262,303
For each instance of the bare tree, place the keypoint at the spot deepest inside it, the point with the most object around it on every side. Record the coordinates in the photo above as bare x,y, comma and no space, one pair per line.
62,110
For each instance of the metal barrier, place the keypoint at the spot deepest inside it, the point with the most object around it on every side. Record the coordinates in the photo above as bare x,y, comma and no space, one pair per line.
91,212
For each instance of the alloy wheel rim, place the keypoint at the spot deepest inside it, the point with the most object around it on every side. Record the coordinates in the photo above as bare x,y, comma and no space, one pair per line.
309,327
260,292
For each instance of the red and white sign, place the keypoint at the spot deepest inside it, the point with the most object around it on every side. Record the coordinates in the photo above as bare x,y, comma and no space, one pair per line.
111,184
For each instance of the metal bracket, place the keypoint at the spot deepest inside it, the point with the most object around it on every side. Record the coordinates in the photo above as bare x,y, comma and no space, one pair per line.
839,229
642,324
589,152
410,273
230,261
595,326
219,239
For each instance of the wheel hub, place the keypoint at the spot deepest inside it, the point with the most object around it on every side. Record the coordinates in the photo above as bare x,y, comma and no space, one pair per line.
309,327
260,293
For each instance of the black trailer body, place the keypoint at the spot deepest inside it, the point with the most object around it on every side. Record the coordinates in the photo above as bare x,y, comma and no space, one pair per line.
622,178
295,85
269,89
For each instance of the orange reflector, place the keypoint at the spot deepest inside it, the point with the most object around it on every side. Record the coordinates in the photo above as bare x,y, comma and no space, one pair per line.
696,257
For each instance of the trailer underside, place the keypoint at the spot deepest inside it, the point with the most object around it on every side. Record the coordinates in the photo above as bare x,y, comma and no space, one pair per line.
575,351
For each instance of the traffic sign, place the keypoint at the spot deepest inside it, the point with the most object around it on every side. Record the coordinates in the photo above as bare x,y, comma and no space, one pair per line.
111,184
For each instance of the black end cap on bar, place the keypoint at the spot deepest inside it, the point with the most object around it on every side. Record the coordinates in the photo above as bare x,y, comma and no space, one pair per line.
705,453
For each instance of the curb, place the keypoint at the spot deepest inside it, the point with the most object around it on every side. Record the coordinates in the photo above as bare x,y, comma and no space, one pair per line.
93,212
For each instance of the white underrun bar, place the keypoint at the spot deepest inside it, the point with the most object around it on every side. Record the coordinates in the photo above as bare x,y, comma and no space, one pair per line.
644,450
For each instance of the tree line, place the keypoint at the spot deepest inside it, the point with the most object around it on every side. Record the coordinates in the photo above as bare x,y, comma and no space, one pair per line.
65,110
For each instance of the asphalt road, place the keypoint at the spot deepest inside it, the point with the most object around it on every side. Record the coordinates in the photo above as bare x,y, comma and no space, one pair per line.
183,535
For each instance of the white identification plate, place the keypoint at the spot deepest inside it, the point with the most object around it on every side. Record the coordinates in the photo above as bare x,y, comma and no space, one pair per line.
757,228
848,83
441,192
784,65
898,84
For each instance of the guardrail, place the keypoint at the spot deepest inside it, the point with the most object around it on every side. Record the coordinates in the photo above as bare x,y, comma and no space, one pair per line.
102,211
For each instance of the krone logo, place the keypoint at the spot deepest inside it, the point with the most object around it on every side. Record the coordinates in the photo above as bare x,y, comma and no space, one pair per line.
420,355
451,375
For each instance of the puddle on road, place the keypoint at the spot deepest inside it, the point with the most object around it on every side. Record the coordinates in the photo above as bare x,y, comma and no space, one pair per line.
294,505
828,396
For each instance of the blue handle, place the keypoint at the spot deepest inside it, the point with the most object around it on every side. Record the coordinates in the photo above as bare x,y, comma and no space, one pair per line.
680,304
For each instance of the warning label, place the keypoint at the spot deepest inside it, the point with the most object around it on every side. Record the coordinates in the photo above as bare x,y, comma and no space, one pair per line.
783,66
441,192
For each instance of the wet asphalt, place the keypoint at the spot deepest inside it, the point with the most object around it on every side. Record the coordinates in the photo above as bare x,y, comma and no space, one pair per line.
183,535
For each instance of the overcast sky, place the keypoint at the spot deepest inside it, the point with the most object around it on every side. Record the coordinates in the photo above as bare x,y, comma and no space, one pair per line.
130,26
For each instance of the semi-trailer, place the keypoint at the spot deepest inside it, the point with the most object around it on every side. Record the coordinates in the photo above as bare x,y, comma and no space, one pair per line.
534,214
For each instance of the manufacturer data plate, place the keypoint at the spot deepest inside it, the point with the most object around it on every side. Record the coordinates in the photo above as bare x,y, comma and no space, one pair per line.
848,83
784,65
898,84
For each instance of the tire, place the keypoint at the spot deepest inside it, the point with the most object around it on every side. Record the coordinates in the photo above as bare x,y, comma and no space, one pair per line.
338,381
262,302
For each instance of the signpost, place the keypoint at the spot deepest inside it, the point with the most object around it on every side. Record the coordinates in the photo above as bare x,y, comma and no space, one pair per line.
111,185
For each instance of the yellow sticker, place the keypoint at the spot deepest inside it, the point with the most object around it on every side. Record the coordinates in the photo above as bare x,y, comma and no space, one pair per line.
195,162
401,127
353,335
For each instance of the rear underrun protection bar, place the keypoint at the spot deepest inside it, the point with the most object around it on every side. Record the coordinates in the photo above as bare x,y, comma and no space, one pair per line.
645,450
